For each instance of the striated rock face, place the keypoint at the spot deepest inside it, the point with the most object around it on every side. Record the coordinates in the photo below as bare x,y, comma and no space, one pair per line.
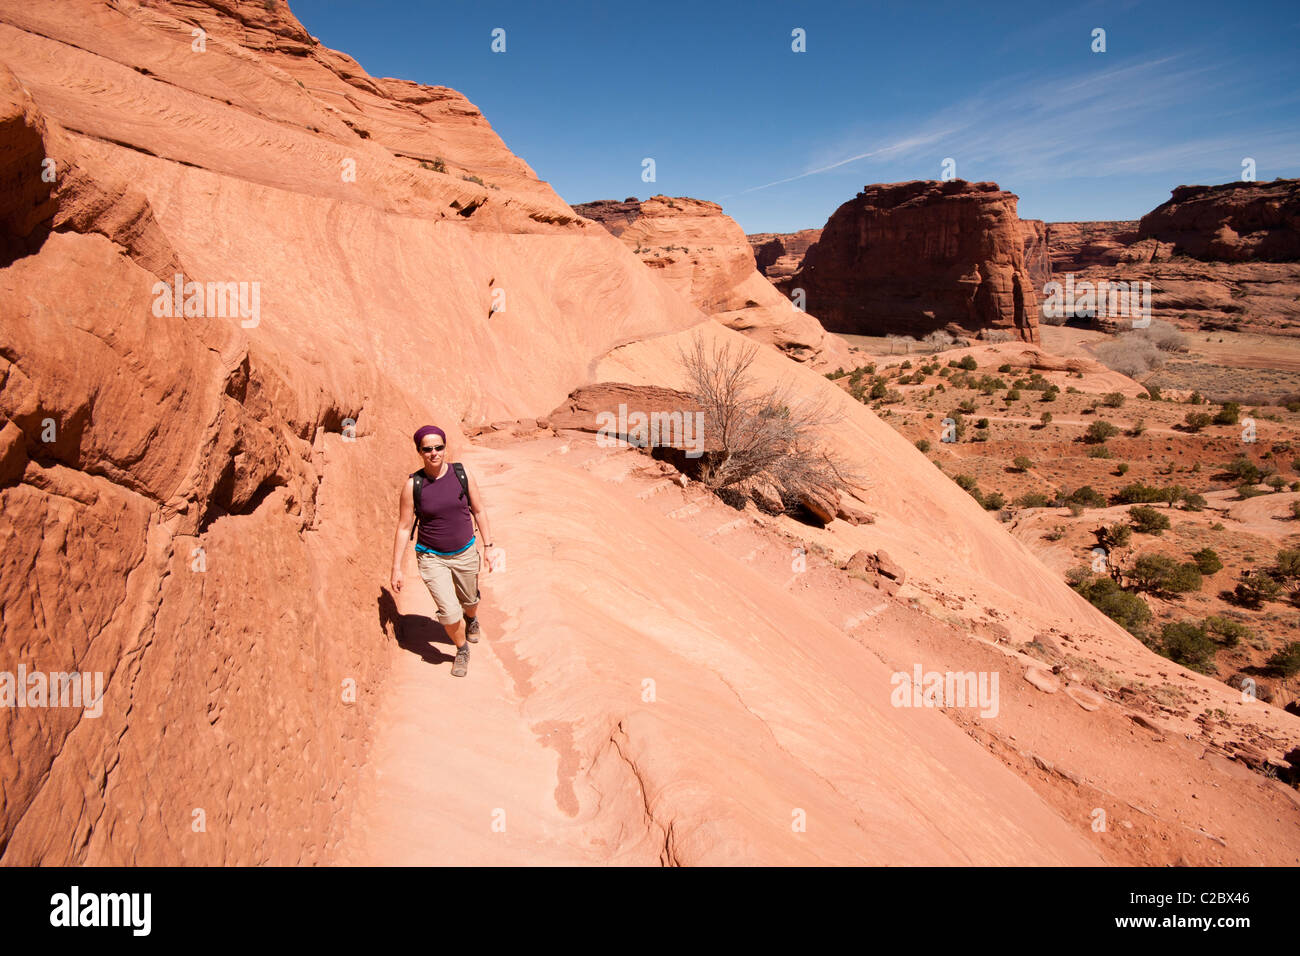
704,255
1234,222
1217,257
1075,246
1038,262
779,255
913,257
197,505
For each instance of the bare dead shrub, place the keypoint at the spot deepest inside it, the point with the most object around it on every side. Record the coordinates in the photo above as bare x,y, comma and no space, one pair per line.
752,435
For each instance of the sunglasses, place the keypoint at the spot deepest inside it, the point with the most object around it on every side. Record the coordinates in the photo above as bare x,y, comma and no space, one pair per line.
427,448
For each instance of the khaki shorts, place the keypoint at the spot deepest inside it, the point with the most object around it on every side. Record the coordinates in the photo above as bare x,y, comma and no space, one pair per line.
452,581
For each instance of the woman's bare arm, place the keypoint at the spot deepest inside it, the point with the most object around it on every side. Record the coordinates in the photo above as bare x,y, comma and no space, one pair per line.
402,538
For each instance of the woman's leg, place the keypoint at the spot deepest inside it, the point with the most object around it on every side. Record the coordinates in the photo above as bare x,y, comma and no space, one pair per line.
438,577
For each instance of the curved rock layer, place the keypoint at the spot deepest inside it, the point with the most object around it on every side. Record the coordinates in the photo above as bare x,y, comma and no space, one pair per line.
704,254
911,258
779,255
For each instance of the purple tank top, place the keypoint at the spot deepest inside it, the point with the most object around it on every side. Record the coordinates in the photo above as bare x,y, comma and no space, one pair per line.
445,521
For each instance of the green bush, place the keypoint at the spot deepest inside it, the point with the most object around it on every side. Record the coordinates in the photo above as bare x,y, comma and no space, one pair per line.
1100,431
1045,418
1186,643
1226,631
1147,520
1229,414
1161,574
1087,496
1113,400
1286,661
968,363
1255,588
1195,421
1194,502
1288,562
923,444
1208,561
1244,470
1137,493
1022,463
994,501
1033,499
1127,610
1100,451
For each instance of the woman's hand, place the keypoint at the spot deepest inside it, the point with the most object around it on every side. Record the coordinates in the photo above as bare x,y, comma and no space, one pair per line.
489,555
397,580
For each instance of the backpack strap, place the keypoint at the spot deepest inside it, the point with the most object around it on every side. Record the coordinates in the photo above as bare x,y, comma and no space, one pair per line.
417,482
464,481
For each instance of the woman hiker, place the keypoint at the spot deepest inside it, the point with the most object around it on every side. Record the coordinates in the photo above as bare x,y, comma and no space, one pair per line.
446,552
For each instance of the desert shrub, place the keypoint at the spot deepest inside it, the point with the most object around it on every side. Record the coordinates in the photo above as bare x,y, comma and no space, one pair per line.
938,339
996,336
1013,395
965,482
994,501
1195,421
1121,469
968,363
1115,536
1129,354
1287,660
1196,398
980,434
1226,631
1045,418
1208,561
1153,392
1295,510
1022,463
982,423
1244,470
1137,493
1194,502
1032,499
1127,610
1250,491
1276,482
1164,336
1159,573
1255,588
1229,414
1004,369
1100,451
1288,562
1186,643
1099,431
1138,428
770,434
1050,394
1113,400
923,444
1087,496
967,407
1147,520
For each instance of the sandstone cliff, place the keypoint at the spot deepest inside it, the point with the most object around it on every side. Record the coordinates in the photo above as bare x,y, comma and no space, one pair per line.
779,255
703,254
914,257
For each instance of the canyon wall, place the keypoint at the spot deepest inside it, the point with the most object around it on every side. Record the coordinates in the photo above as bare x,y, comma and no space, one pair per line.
779,255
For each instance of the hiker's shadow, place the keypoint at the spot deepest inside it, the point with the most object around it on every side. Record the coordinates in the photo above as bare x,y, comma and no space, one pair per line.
414,632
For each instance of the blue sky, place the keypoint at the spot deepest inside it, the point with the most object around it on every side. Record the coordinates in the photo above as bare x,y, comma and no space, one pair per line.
715,95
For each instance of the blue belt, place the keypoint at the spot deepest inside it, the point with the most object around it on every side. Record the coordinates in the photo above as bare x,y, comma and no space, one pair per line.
421,549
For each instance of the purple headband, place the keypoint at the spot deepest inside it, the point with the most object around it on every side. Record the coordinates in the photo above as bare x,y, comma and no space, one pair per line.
429,430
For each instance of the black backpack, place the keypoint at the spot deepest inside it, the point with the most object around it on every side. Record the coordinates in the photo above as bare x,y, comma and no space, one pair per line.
417,483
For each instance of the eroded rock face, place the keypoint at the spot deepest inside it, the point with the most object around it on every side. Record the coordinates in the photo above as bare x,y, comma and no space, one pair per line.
1217,257
198,504
704,254
910,258
1038,262
1075,246
779,255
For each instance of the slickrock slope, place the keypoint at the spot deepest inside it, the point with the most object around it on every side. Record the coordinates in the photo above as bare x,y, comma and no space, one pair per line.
703,254
201,507
779,255
914,257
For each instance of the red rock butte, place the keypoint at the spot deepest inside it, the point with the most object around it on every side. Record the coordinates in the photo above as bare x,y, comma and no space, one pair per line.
911,258
200,508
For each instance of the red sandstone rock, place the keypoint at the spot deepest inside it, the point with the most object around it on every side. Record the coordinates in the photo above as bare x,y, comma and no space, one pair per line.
779,255
912,257
1038,262
704,255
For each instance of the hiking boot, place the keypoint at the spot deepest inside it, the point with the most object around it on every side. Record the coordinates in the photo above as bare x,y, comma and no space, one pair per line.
471,629
461,664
